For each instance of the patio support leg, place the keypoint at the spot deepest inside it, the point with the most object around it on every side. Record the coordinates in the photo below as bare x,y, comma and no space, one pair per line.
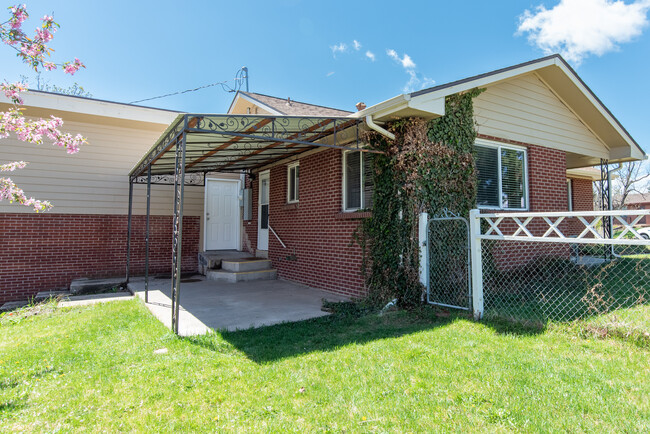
605,205
179,184
128,232
146,254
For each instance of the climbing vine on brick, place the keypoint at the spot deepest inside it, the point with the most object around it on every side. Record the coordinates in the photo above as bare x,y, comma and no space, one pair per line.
428,167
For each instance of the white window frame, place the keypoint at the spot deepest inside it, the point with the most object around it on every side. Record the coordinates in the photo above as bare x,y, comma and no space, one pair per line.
345,182
289,167
499,146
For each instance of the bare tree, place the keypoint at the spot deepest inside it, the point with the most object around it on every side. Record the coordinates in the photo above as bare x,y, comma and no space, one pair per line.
634,177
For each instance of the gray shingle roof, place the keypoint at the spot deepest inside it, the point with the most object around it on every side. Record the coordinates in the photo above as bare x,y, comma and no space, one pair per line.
637,198
295,108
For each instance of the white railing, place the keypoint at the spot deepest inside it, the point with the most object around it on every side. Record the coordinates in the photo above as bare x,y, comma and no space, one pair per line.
276,236
587,222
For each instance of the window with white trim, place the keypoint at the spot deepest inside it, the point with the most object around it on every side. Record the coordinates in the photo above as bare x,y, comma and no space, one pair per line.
502,176
293,177
358,186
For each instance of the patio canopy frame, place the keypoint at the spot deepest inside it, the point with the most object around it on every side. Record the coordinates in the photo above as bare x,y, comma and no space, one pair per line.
197,144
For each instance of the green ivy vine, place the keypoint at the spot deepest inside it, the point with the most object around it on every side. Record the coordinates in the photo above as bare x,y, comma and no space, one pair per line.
428,167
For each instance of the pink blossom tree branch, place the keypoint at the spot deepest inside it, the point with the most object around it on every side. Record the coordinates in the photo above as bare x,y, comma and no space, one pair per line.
35,52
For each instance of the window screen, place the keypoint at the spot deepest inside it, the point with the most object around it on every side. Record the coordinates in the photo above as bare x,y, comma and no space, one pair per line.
501,173
368,182
352,180
512,179
487,163
292,186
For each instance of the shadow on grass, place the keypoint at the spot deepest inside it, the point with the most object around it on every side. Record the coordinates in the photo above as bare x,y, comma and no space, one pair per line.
272,343
12,406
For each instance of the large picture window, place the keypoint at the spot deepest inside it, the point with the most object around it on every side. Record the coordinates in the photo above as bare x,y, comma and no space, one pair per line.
502,177
357,181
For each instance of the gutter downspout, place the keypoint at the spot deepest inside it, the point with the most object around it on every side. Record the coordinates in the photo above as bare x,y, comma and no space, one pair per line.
379,129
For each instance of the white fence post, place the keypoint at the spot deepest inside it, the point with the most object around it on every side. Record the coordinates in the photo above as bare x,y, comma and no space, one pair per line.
424,249
477,263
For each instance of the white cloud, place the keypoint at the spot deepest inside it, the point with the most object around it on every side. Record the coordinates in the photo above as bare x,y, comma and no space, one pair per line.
416,81
357,45
329,74
339,48
578,28
405,61
370,55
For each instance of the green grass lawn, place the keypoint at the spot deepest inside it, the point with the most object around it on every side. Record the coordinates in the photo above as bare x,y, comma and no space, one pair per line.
94,368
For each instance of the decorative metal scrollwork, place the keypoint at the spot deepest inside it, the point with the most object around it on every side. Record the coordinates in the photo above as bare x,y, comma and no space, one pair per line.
190,179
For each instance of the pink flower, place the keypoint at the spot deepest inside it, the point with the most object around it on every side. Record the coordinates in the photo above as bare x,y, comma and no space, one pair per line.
72,67
18,16
44,35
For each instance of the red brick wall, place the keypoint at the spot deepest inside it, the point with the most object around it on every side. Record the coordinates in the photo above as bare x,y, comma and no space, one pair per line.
547,178
320,235
314,230
47,251
583,194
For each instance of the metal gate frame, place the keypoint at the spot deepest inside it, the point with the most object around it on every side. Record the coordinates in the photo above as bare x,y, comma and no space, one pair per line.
447,215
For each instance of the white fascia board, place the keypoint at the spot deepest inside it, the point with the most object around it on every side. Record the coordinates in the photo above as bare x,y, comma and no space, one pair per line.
95,107
392,107
428,103
383,108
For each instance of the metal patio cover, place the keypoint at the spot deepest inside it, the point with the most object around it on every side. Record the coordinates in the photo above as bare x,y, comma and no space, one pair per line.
237,143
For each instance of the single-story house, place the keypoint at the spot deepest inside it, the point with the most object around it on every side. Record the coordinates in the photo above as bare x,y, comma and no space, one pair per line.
279,178
638,201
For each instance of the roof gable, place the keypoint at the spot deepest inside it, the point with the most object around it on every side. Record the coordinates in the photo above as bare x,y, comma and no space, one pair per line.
554,72
280,106
525,109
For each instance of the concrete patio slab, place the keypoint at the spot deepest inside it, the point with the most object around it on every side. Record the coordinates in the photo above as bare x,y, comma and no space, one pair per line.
207,304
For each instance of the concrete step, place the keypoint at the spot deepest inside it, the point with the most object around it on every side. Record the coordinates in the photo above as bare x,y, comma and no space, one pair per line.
211,260
237,265
241,276
85,286
44,295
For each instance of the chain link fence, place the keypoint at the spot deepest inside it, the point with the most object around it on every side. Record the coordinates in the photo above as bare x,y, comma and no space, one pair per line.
449,264
562,282
560,266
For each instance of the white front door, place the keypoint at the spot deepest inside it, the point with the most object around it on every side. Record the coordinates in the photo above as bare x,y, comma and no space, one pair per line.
263,213
222,215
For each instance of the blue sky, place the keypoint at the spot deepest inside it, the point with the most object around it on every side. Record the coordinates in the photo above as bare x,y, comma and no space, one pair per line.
139,49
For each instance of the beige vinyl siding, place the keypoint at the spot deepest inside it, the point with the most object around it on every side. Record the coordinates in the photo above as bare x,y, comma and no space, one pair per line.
94,181
526,110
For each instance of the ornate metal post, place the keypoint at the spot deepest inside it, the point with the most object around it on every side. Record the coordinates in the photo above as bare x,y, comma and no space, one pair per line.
606,204
177,242
146,254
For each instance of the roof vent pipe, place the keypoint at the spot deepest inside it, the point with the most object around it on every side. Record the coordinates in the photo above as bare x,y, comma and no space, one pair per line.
373,126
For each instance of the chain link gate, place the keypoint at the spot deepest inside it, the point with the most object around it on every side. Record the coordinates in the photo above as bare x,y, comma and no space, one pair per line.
448,270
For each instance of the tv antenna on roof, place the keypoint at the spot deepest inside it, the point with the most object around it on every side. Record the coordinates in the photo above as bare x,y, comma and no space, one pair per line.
242,74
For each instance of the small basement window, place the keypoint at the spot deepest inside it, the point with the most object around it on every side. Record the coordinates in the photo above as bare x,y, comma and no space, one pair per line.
358,186
293,177
502,176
